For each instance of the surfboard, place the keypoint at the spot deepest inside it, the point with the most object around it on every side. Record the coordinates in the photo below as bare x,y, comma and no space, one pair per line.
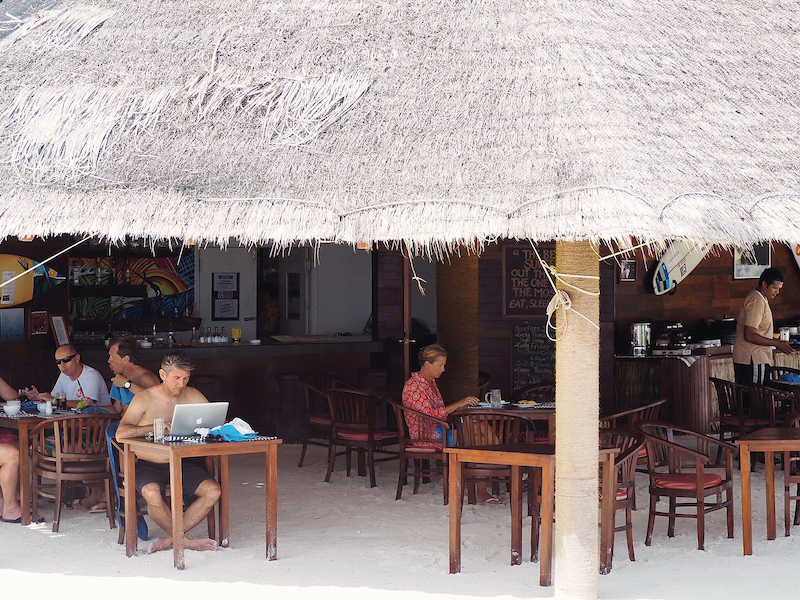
680,259
39,281
796,252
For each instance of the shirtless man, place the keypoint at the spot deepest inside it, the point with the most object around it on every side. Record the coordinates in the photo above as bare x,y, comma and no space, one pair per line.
130,377
152,472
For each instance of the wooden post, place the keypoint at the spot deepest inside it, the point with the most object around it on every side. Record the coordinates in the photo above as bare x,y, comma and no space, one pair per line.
577,440
457,325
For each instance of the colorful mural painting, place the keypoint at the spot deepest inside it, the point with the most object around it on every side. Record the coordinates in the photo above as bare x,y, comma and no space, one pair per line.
137,288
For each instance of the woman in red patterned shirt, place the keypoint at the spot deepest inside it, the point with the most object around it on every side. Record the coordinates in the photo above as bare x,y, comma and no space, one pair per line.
422,394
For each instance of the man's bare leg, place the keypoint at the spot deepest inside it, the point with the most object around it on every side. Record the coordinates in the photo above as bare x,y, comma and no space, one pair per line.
207,493
10,509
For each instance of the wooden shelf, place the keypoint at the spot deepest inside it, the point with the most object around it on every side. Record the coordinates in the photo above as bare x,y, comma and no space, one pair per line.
106,291
145,325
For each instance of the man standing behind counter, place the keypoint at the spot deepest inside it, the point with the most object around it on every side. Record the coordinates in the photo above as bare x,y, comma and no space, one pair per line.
752,350
152,472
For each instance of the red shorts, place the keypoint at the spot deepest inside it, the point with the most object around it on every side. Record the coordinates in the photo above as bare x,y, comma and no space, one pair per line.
8,436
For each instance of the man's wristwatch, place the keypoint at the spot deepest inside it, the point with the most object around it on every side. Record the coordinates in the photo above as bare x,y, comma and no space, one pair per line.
127,384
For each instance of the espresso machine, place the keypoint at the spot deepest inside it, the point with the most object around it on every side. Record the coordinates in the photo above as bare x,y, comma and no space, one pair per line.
672,340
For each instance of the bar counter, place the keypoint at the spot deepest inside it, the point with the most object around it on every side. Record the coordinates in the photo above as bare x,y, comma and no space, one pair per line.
260,381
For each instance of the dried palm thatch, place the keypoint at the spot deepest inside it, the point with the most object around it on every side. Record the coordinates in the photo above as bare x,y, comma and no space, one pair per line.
438,123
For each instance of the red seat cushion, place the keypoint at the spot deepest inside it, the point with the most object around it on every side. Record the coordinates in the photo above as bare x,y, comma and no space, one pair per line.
361,436
320,420
642,453
686,481
622,494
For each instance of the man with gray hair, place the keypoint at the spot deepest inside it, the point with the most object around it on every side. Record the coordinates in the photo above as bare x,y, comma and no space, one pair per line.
152,472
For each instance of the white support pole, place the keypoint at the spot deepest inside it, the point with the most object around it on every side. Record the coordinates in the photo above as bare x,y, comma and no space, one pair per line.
577,402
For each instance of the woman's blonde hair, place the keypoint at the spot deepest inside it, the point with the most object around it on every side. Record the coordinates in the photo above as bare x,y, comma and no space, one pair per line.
430,354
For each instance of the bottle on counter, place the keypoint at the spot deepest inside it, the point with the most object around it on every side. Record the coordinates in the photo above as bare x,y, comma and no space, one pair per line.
109,336
194,336
223,338
202,336
216,335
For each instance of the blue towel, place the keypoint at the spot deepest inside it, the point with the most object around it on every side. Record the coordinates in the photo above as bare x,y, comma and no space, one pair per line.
28,405
229,433
793,377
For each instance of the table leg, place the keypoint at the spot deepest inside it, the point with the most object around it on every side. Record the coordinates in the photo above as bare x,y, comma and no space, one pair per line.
176,496
747,525
224,502
516,516
455,514
129,466
607,516
769,475
272,501
25,473
546,538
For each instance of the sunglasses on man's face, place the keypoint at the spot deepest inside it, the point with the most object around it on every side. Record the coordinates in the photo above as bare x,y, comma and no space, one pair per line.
66,359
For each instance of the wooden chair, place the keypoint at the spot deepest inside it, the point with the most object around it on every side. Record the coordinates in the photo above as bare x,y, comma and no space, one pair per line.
734,416
791,475
425,452
627,418
544,391
674,480
484,379
488,428
770,407
353,426
318,424
117,448
70,450
629,443
775,373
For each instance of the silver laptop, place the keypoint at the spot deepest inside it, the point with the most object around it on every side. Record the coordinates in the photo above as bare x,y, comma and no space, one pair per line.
188,417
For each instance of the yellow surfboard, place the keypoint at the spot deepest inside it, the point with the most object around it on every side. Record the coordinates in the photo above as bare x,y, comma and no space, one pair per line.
39,281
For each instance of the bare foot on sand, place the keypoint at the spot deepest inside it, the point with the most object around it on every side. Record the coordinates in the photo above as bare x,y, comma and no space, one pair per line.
161,543
200,545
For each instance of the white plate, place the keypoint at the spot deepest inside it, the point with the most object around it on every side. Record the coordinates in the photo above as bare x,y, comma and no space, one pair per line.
255,342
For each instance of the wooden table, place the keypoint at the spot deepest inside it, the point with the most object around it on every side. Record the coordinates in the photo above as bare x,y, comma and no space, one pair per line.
529,412
23,425
768,440
515,456
176,451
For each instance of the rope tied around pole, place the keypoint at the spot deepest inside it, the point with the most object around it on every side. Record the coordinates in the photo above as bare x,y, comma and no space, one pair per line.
561,300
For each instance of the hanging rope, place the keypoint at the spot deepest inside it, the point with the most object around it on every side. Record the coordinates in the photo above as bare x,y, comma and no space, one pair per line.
44,261
407,254
561,300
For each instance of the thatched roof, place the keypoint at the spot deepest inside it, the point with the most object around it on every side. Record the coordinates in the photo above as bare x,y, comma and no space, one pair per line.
427,121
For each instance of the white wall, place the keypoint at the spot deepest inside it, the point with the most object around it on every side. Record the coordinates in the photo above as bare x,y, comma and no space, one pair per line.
341,290
233,259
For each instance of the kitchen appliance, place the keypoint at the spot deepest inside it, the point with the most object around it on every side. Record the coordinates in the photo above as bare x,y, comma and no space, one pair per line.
672,340
640,338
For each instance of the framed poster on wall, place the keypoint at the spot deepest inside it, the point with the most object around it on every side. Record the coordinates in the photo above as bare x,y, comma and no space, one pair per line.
225,296
58,323
749,263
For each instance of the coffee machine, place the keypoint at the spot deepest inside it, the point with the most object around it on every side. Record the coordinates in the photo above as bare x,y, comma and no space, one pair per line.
672,340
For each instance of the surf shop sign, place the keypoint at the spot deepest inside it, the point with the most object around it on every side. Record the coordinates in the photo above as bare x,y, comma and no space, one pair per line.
526,289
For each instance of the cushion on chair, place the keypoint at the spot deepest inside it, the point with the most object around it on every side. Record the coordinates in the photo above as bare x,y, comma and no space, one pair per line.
622,494
642,453
361,436
686,481
319,420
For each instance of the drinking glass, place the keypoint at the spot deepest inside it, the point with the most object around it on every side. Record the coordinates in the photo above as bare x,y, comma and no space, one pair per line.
158,430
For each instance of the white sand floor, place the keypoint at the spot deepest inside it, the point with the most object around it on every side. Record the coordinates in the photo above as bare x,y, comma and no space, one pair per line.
343,539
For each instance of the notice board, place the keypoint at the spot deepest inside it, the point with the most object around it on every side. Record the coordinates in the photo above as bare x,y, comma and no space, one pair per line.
533,355
526,289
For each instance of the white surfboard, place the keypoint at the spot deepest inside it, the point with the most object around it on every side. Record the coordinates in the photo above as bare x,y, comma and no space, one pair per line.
678,261
796,253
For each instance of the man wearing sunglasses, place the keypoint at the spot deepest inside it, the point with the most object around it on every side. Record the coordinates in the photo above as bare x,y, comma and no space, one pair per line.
79,382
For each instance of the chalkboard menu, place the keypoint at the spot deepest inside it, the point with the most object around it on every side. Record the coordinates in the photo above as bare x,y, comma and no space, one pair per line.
533,355
526,289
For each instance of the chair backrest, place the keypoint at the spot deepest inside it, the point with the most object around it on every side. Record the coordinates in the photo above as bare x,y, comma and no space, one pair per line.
775,373
792,420
401,413
544,391
659,455
351,408
490,428
730,396
629,443
627,418
316,386
770,404
75,438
